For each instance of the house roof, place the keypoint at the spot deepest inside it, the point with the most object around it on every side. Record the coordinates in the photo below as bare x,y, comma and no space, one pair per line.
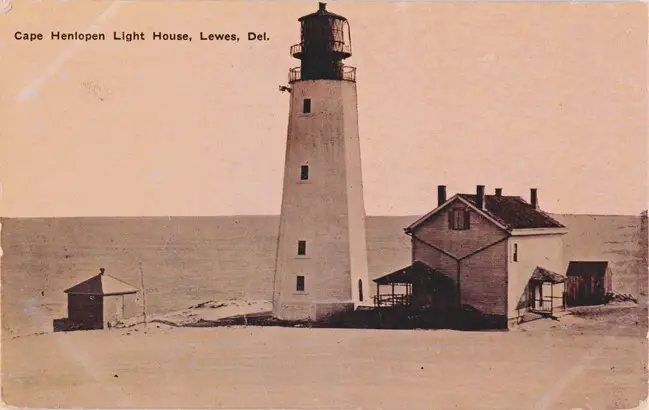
587,268
411,273
508,212
102,285
543,275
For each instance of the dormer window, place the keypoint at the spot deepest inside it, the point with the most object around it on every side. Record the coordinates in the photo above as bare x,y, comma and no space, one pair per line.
459,219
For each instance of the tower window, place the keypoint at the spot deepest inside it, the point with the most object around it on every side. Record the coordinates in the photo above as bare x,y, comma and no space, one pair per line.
515,253
299,285
306,107
301,247
459,219
304,172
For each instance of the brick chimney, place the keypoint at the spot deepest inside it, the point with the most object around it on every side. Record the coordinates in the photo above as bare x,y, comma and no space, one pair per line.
534,198
479,200
441,194
499,192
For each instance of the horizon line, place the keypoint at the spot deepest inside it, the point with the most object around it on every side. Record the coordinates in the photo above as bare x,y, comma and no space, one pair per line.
639,214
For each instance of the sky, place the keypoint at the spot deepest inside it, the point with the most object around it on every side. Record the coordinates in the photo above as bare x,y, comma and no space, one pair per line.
511,95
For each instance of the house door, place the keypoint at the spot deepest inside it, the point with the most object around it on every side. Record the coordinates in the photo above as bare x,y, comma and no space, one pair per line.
536,297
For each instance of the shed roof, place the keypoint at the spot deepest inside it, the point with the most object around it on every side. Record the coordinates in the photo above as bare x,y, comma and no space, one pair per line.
411,273
102,285
543,275
510,212
587,268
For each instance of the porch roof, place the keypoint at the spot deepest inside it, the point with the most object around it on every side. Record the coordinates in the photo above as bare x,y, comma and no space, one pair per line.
543,275
409,274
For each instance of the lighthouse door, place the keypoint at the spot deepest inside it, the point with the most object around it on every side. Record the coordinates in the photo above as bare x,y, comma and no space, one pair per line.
360,290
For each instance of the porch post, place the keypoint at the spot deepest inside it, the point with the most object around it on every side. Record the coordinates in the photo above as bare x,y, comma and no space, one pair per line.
552,299
393,294
378,295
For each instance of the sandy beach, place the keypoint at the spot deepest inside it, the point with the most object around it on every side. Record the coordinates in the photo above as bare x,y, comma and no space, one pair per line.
596,360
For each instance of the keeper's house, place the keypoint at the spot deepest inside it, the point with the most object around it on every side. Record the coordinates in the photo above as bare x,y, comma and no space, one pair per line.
501,252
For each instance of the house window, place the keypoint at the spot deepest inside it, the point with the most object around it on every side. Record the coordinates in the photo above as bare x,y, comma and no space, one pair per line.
515,253
299,285
459,219
301,247
306,107
304,172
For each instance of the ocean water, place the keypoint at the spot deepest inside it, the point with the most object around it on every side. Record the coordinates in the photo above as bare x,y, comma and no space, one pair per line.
187,260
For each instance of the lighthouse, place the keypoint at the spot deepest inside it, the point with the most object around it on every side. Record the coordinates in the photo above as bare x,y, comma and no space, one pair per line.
321,260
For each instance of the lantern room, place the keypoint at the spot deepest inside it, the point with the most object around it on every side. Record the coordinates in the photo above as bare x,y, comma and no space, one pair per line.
325,41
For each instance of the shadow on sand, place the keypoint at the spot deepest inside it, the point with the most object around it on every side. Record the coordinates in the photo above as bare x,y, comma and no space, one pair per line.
466,318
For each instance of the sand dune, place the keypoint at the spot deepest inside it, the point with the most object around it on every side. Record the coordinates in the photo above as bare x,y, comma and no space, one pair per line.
203,312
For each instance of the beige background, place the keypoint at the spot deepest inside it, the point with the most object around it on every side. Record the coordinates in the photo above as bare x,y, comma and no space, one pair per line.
546,95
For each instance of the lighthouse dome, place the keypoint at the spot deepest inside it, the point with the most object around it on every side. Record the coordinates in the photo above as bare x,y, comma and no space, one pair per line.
322,12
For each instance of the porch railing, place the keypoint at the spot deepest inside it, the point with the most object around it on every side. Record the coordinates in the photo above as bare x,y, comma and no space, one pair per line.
390,300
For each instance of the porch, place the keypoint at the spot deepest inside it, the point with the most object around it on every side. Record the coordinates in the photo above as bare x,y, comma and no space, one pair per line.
417,286
399,290
546,292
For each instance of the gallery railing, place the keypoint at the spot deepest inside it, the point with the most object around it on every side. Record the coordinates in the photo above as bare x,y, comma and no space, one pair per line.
347,73
334,46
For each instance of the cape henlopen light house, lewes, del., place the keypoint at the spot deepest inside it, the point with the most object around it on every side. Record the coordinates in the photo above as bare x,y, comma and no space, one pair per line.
321,265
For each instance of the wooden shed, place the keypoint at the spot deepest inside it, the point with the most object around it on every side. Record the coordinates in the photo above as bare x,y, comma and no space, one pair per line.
588,282
98,302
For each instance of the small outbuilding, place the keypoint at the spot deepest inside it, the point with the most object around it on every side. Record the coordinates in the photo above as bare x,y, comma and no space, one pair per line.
588,282
98,302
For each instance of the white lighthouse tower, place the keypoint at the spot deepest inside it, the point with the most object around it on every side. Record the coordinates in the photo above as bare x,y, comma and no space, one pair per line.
321,265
